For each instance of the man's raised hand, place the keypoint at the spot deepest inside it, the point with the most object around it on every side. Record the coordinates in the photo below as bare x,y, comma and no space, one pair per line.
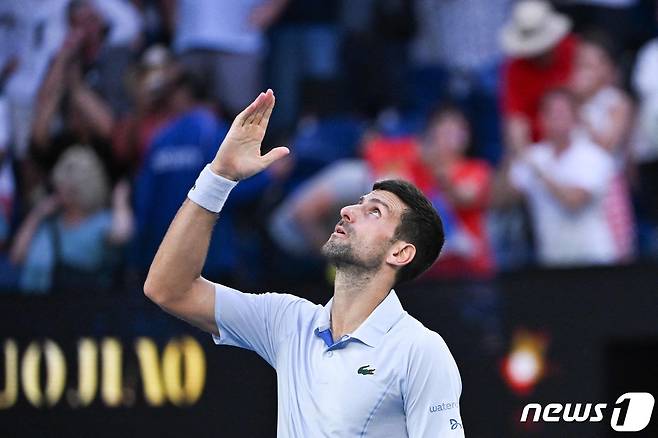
239,154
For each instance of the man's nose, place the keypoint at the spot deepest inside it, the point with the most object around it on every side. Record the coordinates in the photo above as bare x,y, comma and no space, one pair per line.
347,213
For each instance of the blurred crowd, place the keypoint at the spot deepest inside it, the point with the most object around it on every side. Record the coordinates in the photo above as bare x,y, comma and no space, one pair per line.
531,125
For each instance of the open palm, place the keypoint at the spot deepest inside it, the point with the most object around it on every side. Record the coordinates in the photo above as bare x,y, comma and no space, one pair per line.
239,155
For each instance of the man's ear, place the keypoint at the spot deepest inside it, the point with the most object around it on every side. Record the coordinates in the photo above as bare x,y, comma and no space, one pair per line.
402,253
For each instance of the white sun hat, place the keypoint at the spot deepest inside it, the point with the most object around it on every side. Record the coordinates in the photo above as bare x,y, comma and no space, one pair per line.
533,29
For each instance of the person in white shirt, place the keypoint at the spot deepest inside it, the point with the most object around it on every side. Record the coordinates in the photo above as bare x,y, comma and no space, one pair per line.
606,112
565,179
359,366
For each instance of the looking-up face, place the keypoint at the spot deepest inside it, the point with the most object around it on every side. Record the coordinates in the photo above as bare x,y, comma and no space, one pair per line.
365,235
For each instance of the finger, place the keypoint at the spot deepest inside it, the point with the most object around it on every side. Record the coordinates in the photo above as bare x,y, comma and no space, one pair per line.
267,109
259,107
275,154
264,103
242,118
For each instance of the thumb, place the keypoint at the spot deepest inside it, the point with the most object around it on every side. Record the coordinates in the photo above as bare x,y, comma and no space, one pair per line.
275,154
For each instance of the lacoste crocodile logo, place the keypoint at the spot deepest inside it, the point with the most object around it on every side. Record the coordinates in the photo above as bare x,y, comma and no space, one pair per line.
366,370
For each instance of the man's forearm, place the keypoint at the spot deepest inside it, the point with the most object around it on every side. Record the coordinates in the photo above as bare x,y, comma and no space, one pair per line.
177,265
182,253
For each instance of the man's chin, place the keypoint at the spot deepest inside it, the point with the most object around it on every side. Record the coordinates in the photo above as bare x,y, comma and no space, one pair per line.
335,252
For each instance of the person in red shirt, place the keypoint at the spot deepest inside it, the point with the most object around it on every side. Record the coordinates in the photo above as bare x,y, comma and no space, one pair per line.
541,52
460,192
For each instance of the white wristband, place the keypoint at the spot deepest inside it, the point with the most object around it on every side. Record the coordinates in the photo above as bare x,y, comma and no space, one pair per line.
211,190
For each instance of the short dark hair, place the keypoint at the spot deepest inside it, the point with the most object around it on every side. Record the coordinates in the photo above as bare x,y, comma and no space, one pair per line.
419,225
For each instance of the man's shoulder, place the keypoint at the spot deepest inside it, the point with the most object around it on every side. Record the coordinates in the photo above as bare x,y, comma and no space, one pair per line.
425,350
421,340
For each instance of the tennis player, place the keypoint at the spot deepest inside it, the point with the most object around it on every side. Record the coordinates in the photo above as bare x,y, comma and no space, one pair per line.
359,366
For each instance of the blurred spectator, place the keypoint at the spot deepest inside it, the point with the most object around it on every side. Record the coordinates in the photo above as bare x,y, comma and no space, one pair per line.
462,66
150,84
304,46
66,242
69,109
565,179
645,145
606,113
541,52
222,43
460,193
172,163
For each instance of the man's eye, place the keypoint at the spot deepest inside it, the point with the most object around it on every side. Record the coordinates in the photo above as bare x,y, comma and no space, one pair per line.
376,212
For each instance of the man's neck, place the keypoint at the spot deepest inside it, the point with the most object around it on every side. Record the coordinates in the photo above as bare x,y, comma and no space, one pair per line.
356,295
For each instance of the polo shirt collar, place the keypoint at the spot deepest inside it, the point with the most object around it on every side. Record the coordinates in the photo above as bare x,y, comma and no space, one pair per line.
378,323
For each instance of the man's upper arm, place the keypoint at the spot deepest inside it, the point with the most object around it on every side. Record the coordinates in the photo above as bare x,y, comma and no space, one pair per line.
432,391
196,306
252,321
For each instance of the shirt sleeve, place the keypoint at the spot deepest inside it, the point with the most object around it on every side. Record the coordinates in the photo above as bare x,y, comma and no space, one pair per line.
433,388
257,322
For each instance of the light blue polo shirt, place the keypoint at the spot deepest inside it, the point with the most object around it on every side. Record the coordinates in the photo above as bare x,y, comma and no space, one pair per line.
391,377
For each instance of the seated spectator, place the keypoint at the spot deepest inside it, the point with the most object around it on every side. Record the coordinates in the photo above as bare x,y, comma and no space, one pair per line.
134,132
540,53
66,242
606,112
565,178
645,146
